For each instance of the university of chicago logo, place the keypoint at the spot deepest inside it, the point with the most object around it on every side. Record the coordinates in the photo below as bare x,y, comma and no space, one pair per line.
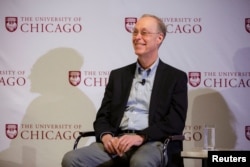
130,23
247,132
11,23
74,78
247,24
11,130
194,78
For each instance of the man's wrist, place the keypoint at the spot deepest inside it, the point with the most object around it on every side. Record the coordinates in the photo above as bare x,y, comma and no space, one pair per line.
105,135
144,137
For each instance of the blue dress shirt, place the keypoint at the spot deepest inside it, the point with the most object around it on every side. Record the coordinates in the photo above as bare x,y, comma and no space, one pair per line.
136,114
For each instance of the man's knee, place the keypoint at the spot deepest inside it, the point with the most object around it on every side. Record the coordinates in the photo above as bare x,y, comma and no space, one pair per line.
148,155
137,162
68,159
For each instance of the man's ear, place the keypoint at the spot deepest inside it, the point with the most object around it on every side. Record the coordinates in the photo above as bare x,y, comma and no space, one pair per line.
160,38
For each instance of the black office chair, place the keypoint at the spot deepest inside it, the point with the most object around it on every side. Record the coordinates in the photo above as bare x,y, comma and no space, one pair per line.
165,144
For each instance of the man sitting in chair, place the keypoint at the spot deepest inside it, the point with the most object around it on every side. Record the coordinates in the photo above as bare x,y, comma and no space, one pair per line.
143,103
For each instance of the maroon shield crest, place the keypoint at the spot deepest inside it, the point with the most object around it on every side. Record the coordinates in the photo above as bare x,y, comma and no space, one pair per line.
247,24
11,130
194,78
11,23
74,78
130,23
247,132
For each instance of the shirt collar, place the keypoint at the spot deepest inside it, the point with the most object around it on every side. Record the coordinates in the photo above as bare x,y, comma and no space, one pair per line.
149,70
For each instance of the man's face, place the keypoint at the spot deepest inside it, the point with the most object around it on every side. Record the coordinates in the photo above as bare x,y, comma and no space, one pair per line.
146,37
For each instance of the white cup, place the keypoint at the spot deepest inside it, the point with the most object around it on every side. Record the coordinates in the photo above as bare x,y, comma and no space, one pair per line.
209,137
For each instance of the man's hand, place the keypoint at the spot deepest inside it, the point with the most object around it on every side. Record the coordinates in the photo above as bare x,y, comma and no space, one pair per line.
109,143
125,142
115,145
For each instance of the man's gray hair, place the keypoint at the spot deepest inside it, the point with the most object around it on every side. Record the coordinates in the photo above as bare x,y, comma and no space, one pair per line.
161,25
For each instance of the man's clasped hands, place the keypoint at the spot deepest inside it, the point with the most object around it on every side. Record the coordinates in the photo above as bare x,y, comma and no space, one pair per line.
120,145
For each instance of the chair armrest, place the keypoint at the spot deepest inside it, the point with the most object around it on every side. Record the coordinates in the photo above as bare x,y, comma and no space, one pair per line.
176,137
81,135
172,138
87,133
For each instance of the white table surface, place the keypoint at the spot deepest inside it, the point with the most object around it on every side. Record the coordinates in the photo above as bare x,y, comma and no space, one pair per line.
194,153
199,152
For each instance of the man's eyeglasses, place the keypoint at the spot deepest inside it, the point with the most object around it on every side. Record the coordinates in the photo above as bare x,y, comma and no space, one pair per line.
143,33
